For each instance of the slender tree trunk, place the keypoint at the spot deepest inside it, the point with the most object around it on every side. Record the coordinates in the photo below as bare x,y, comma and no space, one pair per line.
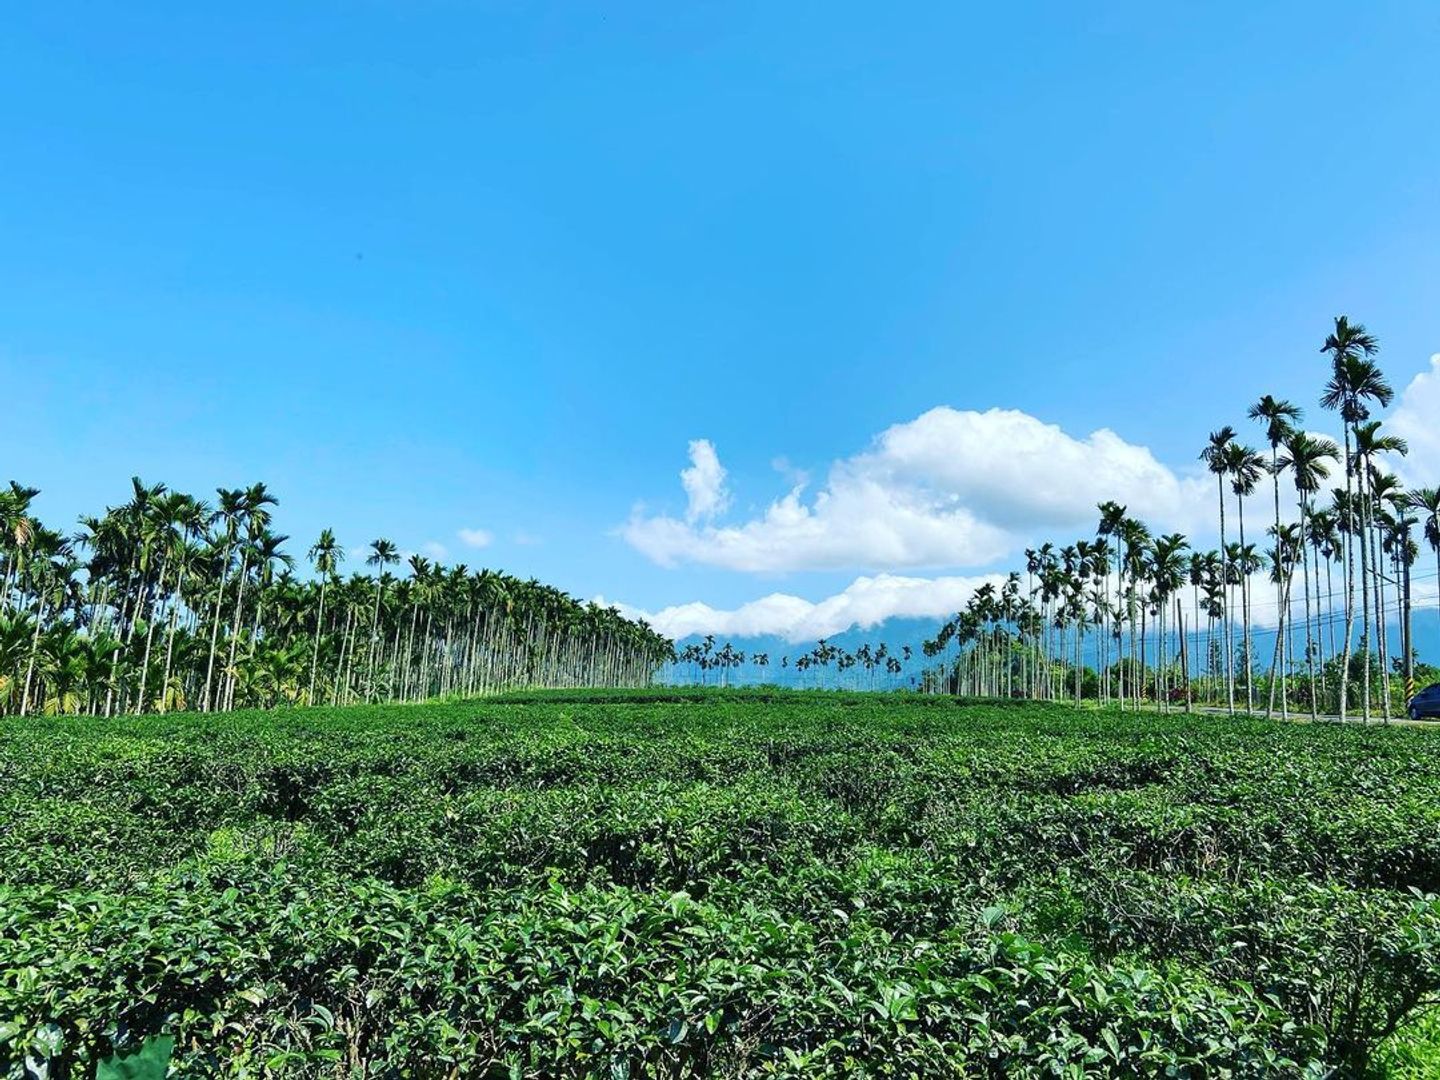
1184,651
170,638
1281,588
1368,645
370,691
1143,678
1120,623
1245,608
1378,560
150,636
10,579
319,630
1349,579
34,652
1286,573
229,681
215,625
1309,640
1226,622
1329,611
119,637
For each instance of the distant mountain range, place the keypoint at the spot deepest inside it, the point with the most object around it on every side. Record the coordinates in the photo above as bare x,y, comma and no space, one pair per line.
898,633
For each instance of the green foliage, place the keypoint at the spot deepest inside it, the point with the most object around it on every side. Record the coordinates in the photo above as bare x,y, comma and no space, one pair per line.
150,1061
721,884
1413,1052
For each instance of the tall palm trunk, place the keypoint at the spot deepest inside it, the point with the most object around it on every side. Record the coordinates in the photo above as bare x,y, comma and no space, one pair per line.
1329,606
1305,578
1282,591
1349,580
1120,623
1142,680
229,680
1309,640
1283,575
319,629
1245,607
1377,555
34,652
9,579
1161,648
150,635
215,624
1226,622
345,659
1368,645
374,636
170,637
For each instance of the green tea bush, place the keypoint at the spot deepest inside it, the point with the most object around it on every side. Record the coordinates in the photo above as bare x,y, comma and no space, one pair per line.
736,884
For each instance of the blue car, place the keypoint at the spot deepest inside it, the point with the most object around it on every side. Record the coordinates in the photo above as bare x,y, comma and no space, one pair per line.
1426,704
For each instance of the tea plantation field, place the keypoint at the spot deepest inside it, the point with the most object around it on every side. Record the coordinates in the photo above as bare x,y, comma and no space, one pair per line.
718,884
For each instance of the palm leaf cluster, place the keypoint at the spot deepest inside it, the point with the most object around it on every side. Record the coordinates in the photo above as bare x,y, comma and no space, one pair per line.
168,602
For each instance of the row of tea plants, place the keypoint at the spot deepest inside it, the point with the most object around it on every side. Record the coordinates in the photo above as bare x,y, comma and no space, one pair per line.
715,884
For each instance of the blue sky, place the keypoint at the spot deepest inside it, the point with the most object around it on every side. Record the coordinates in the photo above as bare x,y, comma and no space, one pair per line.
433,266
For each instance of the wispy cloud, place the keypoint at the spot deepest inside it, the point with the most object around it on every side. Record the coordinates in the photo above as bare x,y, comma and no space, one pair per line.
476,538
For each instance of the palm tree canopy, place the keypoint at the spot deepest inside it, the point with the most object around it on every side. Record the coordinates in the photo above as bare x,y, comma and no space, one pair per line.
1354,385
1244,465
382,554
1305,456
1214,453
326,554
1348,340
1281,417
1369,442
1427,501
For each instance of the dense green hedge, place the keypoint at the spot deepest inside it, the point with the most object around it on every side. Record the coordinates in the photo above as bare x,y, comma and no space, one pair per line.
714,884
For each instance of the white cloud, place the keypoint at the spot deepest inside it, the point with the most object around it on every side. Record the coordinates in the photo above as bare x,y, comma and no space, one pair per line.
1415,420
704,483
525,539
435,550
949,488
475,538
870,601
866,602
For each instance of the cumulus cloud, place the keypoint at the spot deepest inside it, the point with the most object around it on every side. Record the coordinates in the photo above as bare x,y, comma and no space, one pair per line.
1414,420
435,550
704,483
475,538
949,488
866,602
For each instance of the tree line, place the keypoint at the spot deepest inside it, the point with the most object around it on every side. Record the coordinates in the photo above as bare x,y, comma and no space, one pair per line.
169,602
1165,621
824,666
